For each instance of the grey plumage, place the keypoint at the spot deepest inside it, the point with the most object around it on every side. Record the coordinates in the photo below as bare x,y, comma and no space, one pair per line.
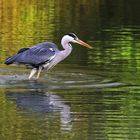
44,55
34,56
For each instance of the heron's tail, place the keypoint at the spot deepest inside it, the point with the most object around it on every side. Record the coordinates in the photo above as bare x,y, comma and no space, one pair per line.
10,60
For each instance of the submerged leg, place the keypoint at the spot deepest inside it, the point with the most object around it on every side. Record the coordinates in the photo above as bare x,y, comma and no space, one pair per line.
33,71
39,71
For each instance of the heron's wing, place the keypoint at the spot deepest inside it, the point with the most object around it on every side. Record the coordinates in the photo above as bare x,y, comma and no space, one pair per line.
38,54
22,50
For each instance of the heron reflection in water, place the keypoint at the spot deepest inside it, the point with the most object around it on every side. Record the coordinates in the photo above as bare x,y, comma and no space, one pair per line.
44,102
44,55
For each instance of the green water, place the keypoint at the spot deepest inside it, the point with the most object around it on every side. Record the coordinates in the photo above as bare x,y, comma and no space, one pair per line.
93,94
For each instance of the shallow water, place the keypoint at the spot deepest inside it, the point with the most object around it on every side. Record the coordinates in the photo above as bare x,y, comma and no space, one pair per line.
68,103
94,94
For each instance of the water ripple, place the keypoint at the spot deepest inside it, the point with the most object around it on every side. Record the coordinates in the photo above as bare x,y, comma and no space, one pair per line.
60,80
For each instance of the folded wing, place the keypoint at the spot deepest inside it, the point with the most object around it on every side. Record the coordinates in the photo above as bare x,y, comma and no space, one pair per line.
36,55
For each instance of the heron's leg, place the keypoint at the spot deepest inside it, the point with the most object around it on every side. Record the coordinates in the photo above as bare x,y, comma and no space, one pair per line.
33,71
39,71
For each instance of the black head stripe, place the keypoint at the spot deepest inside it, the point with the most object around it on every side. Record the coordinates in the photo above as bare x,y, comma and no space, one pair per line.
73,35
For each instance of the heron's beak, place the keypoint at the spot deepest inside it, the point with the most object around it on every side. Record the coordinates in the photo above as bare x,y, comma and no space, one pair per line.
78,41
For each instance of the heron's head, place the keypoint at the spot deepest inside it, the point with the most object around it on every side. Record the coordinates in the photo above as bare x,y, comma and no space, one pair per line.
71,37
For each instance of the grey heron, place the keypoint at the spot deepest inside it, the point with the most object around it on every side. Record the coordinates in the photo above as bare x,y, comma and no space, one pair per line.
44,55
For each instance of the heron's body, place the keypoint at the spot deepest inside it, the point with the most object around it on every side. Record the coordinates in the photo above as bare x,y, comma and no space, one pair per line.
43,55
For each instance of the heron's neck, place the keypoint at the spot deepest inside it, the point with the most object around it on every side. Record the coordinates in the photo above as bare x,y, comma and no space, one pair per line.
67,48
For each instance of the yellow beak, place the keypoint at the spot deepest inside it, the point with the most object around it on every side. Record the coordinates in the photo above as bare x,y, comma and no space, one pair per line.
78,41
